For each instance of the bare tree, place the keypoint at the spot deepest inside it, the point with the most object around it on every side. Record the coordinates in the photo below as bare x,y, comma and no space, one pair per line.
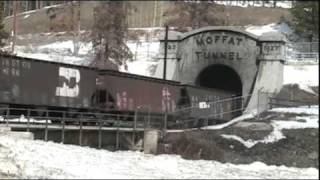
3,34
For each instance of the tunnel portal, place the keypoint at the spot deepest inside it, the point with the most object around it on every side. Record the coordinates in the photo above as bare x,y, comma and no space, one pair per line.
220,77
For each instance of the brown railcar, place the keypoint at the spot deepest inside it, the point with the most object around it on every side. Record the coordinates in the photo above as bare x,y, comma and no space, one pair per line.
123,92
128,92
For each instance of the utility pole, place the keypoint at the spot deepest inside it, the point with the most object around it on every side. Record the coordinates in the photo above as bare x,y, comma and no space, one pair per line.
14,25
165,53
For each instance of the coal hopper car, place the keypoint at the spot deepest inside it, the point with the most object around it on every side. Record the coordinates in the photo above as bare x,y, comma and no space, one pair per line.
124,93
37,84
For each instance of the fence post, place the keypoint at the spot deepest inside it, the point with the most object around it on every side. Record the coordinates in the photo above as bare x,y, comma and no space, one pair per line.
165,120
135,120
63,126
117,133
99,136
149,118
258,113
28,120
242,104
46,129
7,115
207,122
134,126
80,133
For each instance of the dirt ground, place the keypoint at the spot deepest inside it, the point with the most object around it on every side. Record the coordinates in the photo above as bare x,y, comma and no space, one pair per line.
299,148
293,92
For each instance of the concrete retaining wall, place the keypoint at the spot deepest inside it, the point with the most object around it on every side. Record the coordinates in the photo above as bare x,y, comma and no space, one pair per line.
269,81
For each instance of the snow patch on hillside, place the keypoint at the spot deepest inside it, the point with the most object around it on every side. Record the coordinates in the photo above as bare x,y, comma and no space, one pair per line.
313,110
282,28
311,121
145,57
229,123
303,74
282,4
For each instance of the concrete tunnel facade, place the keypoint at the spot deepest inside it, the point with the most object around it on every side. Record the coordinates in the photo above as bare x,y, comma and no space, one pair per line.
228,58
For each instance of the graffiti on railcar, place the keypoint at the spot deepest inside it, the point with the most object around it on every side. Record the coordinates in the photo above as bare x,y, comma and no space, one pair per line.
11,67
123,101
167,102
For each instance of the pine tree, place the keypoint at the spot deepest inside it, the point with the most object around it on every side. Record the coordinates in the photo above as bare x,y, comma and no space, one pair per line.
3,34
193,14
109,34
306,18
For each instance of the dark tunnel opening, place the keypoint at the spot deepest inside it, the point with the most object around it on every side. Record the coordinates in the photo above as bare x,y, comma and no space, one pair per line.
220,77
224,78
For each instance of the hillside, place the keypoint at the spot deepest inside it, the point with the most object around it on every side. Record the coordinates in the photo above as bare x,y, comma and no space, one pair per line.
58,18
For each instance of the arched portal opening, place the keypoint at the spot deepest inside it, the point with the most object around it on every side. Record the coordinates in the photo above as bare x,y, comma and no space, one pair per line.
220,77
224,78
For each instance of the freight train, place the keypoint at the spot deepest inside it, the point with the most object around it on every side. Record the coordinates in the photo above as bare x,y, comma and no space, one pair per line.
36,84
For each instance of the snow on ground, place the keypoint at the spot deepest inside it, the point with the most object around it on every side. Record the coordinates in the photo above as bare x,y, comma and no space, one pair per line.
229,123
303,75
33,11
57,52
145,56
282,4
313,110
283,28
26,16
311,121
24,119
56,58
39,159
